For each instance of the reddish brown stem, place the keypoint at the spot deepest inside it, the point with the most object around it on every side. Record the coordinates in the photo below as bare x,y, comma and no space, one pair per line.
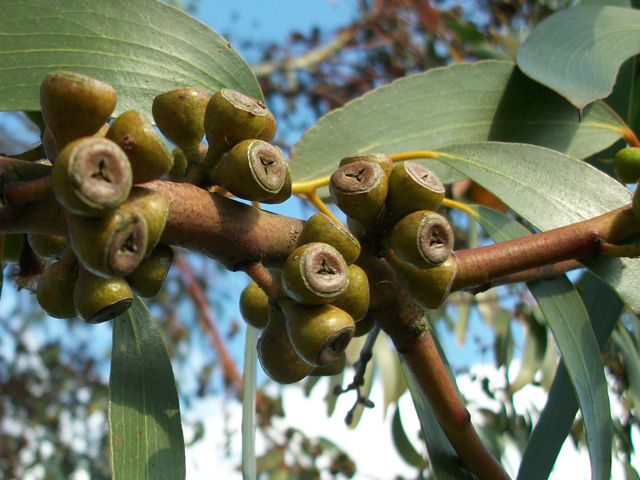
230,372
263,278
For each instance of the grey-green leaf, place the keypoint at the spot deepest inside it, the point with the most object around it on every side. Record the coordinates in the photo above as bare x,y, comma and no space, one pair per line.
249,405
141,48
577,52
554,424
550,189
490,100
402,443
569,321
144,413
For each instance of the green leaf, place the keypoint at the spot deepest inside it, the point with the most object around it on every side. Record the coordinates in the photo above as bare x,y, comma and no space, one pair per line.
141,48
489,100
555,422
393,382
144,413
533,356
403,445
332,398
577,52
249,405
569,321
628,349
550,190
444,461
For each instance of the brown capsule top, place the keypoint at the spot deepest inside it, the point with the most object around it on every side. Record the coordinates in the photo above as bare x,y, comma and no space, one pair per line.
380,158
314,274
75,105
91,176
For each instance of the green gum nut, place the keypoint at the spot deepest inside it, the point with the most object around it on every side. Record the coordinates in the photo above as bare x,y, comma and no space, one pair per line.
381,159
413,187
332,369
423,238
149,156
318,333
155,210
277,356
314,274
321,228
75,105
179,114
55,287
355,299
48,246
360,189
231,117
428,287
91,176
253,170
627,164
98,299
149,276
110,246
254,306
12,244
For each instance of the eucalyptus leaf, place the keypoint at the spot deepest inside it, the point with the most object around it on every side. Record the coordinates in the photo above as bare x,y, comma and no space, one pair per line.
568,319
490,100
550,189
403,445
555,422
144,414
393,383
249,405
141,48
577,52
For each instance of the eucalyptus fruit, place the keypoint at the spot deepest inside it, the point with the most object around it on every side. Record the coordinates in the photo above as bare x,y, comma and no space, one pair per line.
381,159
74,105
179,114
110,246
98,299
355,298
48,246
423,238
627,164
232,117
413,187
149,276
155,210
314,274
180,164
321,228
254,306
149,156
428,287
55,287
91,176
276,354
318,333
253,169
360,190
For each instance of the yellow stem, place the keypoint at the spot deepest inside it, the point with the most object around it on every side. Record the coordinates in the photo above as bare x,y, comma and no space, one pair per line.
317,202
413,155
306,188
447,202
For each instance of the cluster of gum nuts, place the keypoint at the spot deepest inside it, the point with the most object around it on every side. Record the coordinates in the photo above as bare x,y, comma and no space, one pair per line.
98,172
325,298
